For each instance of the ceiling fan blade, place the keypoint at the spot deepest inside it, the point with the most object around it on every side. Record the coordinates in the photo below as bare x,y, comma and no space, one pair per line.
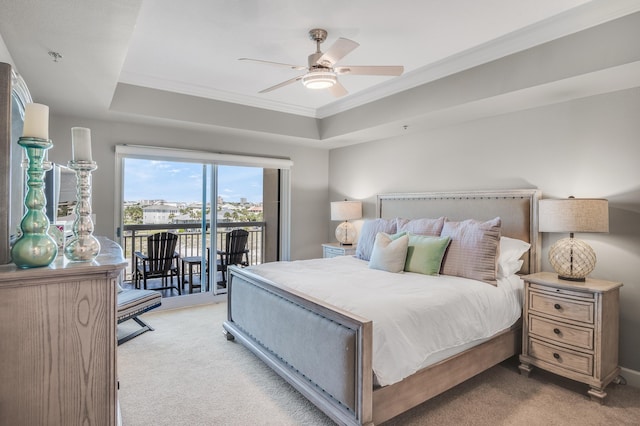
338,90
284,83
370,70
337,51
277,64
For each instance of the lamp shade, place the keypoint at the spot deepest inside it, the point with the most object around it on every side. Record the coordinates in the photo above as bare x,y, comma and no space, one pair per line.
574,215
346,210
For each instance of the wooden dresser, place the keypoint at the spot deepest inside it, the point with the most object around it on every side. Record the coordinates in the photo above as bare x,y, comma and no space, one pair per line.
58,341
571,329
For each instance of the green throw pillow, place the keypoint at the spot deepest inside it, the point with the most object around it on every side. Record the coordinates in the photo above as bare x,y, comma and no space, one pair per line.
425,254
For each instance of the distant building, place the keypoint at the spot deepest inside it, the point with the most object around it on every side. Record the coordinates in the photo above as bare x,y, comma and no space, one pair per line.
157,214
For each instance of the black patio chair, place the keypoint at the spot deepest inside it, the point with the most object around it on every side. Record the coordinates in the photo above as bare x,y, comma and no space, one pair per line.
235,253
160,261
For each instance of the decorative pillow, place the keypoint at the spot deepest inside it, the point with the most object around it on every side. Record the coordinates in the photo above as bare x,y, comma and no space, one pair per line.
473,250
389,254
511,250
370,229
422,226
425,254
508,269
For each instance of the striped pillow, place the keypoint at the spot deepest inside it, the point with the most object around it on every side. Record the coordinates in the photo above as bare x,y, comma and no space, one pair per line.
473,250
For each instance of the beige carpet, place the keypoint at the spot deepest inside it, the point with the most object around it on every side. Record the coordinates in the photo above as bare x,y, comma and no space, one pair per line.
186,373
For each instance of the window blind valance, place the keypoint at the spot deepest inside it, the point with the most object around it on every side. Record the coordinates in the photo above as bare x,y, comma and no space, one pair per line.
172,154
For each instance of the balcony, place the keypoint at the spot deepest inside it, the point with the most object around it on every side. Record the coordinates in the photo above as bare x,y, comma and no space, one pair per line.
134,238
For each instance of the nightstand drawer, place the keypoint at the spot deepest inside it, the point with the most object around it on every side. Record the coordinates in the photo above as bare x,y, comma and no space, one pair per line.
333,252
336,249
563,291
562,308
581,337
562,358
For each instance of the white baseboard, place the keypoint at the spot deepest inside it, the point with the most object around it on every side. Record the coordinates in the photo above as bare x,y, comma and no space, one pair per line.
631,376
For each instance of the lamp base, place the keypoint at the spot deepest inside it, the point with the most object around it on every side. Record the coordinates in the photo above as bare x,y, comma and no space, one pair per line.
346,234
575,279
572,259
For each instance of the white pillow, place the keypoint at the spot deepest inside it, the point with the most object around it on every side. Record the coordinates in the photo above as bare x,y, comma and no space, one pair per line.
389,254
510,268
511,250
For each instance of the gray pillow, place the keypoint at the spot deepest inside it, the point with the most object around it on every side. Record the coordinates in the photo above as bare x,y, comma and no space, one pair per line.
370,229
423,226
473,250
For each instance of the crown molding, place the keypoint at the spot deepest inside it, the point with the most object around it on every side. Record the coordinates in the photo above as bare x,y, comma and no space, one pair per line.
214,94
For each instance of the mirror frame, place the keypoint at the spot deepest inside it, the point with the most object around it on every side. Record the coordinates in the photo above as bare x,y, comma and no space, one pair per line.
14,95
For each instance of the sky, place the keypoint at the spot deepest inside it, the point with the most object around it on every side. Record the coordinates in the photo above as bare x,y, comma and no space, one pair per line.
182,182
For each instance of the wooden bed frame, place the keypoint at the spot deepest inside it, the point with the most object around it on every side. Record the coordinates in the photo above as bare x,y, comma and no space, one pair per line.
326,352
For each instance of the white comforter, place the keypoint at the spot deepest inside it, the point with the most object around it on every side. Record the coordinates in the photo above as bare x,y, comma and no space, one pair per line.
417,319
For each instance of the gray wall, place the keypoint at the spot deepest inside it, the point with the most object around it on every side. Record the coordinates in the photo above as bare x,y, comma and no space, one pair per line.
585,148
309,174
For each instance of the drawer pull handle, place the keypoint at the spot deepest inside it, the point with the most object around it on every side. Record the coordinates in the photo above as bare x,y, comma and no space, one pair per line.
556,330
557,306
556,355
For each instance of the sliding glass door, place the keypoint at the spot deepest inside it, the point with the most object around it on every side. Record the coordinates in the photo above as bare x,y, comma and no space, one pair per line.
201,197
173,197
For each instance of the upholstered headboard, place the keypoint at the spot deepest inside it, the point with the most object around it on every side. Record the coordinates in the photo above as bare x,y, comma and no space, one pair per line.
518,210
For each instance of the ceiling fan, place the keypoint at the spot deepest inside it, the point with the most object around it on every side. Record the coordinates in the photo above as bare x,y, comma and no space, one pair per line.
321,70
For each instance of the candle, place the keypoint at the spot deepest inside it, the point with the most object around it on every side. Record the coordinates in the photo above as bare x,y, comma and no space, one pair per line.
81,143
36,121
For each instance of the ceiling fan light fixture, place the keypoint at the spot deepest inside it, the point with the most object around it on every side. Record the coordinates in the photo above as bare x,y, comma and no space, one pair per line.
319,79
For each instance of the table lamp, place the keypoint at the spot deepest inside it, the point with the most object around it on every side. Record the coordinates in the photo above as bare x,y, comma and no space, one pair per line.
571,258
346,211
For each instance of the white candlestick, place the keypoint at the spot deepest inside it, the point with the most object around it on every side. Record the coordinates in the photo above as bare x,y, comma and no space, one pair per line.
81,143
36,121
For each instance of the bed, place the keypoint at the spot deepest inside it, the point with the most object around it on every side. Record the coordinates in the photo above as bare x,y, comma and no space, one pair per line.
326,351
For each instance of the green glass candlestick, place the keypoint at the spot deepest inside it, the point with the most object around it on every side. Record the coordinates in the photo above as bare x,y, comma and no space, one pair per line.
34,248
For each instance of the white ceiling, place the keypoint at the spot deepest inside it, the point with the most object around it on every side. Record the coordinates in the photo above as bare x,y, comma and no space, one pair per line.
192,46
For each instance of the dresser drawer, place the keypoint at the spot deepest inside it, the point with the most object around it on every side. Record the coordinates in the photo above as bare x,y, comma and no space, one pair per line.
581,337
562,358
575,310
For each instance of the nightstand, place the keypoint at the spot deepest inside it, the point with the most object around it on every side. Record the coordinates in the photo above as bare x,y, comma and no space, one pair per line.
335,249
571,329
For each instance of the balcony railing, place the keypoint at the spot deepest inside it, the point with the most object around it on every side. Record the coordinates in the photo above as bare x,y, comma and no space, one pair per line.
134,238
